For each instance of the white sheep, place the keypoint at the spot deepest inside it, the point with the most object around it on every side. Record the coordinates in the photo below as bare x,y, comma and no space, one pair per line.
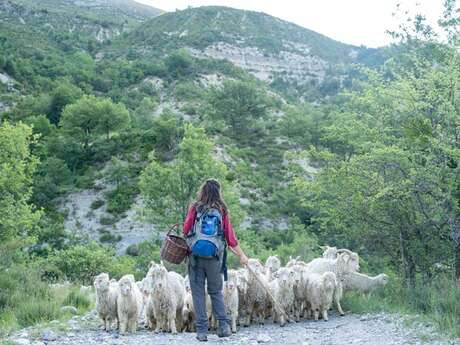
167,298
188,316
106,300
329,252
129,304
321,289
363,283
272,264
145,288
257,298
345,262
282,291
231,297
300,288
242,286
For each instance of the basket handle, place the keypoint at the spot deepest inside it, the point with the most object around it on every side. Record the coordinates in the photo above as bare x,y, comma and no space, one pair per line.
175,226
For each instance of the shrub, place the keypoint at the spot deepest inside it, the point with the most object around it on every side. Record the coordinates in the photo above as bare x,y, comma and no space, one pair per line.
82,263
107,220
121,198
97,204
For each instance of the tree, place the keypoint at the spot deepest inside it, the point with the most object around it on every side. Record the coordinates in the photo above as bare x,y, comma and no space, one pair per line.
240,104
50,178
90,116
63,94
17,165
168,189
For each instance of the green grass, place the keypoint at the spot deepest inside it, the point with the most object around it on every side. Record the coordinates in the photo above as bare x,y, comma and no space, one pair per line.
78,300
437,302
26,300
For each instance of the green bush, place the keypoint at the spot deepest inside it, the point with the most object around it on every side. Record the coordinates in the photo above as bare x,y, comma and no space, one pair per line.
108,237
107,220
82,263
121,198
97,204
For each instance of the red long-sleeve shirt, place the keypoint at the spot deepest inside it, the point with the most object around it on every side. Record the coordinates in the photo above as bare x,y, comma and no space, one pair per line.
230,236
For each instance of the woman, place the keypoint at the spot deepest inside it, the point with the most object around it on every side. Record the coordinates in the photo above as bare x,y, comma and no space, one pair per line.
207,227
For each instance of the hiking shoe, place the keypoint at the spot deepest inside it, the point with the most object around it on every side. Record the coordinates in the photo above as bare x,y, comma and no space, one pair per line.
201,337
224,331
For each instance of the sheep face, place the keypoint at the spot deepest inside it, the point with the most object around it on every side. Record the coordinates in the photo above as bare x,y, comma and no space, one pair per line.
285,276
329,281
232,281
272,264
159,275
126,284
349,261
256,266
102,282
329,252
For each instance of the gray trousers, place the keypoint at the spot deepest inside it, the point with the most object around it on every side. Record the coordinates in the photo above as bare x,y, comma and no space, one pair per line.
201,271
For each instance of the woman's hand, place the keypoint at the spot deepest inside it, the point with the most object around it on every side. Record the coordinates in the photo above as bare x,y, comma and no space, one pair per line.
239,252
243,259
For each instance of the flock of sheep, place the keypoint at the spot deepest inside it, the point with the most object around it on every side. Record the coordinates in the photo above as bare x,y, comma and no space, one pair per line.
162,301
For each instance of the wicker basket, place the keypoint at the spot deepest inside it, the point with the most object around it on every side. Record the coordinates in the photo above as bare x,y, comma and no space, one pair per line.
174,248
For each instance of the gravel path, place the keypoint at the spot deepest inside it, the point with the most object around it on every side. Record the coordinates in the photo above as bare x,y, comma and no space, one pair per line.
371,329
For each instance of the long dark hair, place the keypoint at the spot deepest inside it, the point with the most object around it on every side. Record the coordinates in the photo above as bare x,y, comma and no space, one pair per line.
209,196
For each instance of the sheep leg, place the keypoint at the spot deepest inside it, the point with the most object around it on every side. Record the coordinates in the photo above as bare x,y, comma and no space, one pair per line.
337,298
339,308
123,326
172,322
282,320
133,324
234,317
316,314
325,318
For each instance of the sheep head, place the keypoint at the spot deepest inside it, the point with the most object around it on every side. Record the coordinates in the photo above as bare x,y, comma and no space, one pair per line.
273,264
126,284
329,281
102,282
383,279
232,281
256,266
285,276
348,261
159,275
329,252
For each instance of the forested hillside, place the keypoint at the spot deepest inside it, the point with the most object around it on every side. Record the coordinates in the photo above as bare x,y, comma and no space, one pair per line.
113,113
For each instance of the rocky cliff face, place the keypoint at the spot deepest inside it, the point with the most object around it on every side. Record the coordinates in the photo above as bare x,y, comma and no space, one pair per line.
286,65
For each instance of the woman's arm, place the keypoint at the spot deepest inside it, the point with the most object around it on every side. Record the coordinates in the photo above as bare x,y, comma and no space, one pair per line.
239,252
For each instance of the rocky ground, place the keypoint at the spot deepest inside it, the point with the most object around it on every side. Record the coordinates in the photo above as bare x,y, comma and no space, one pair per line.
370,329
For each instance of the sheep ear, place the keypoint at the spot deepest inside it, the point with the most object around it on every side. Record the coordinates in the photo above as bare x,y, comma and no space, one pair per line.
152,263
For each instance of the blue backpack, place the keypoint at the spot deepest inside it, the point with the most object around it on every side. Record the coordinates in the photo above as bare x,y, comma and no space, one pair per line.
206,239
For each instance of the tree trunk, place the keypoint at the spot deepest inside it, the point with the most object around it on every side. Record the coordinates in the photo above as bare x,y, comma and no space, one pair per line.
407,260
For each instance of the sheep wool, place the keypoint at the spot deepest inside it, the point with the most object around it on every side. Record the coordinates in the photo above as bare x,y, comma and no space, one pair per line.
106,300
129,304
